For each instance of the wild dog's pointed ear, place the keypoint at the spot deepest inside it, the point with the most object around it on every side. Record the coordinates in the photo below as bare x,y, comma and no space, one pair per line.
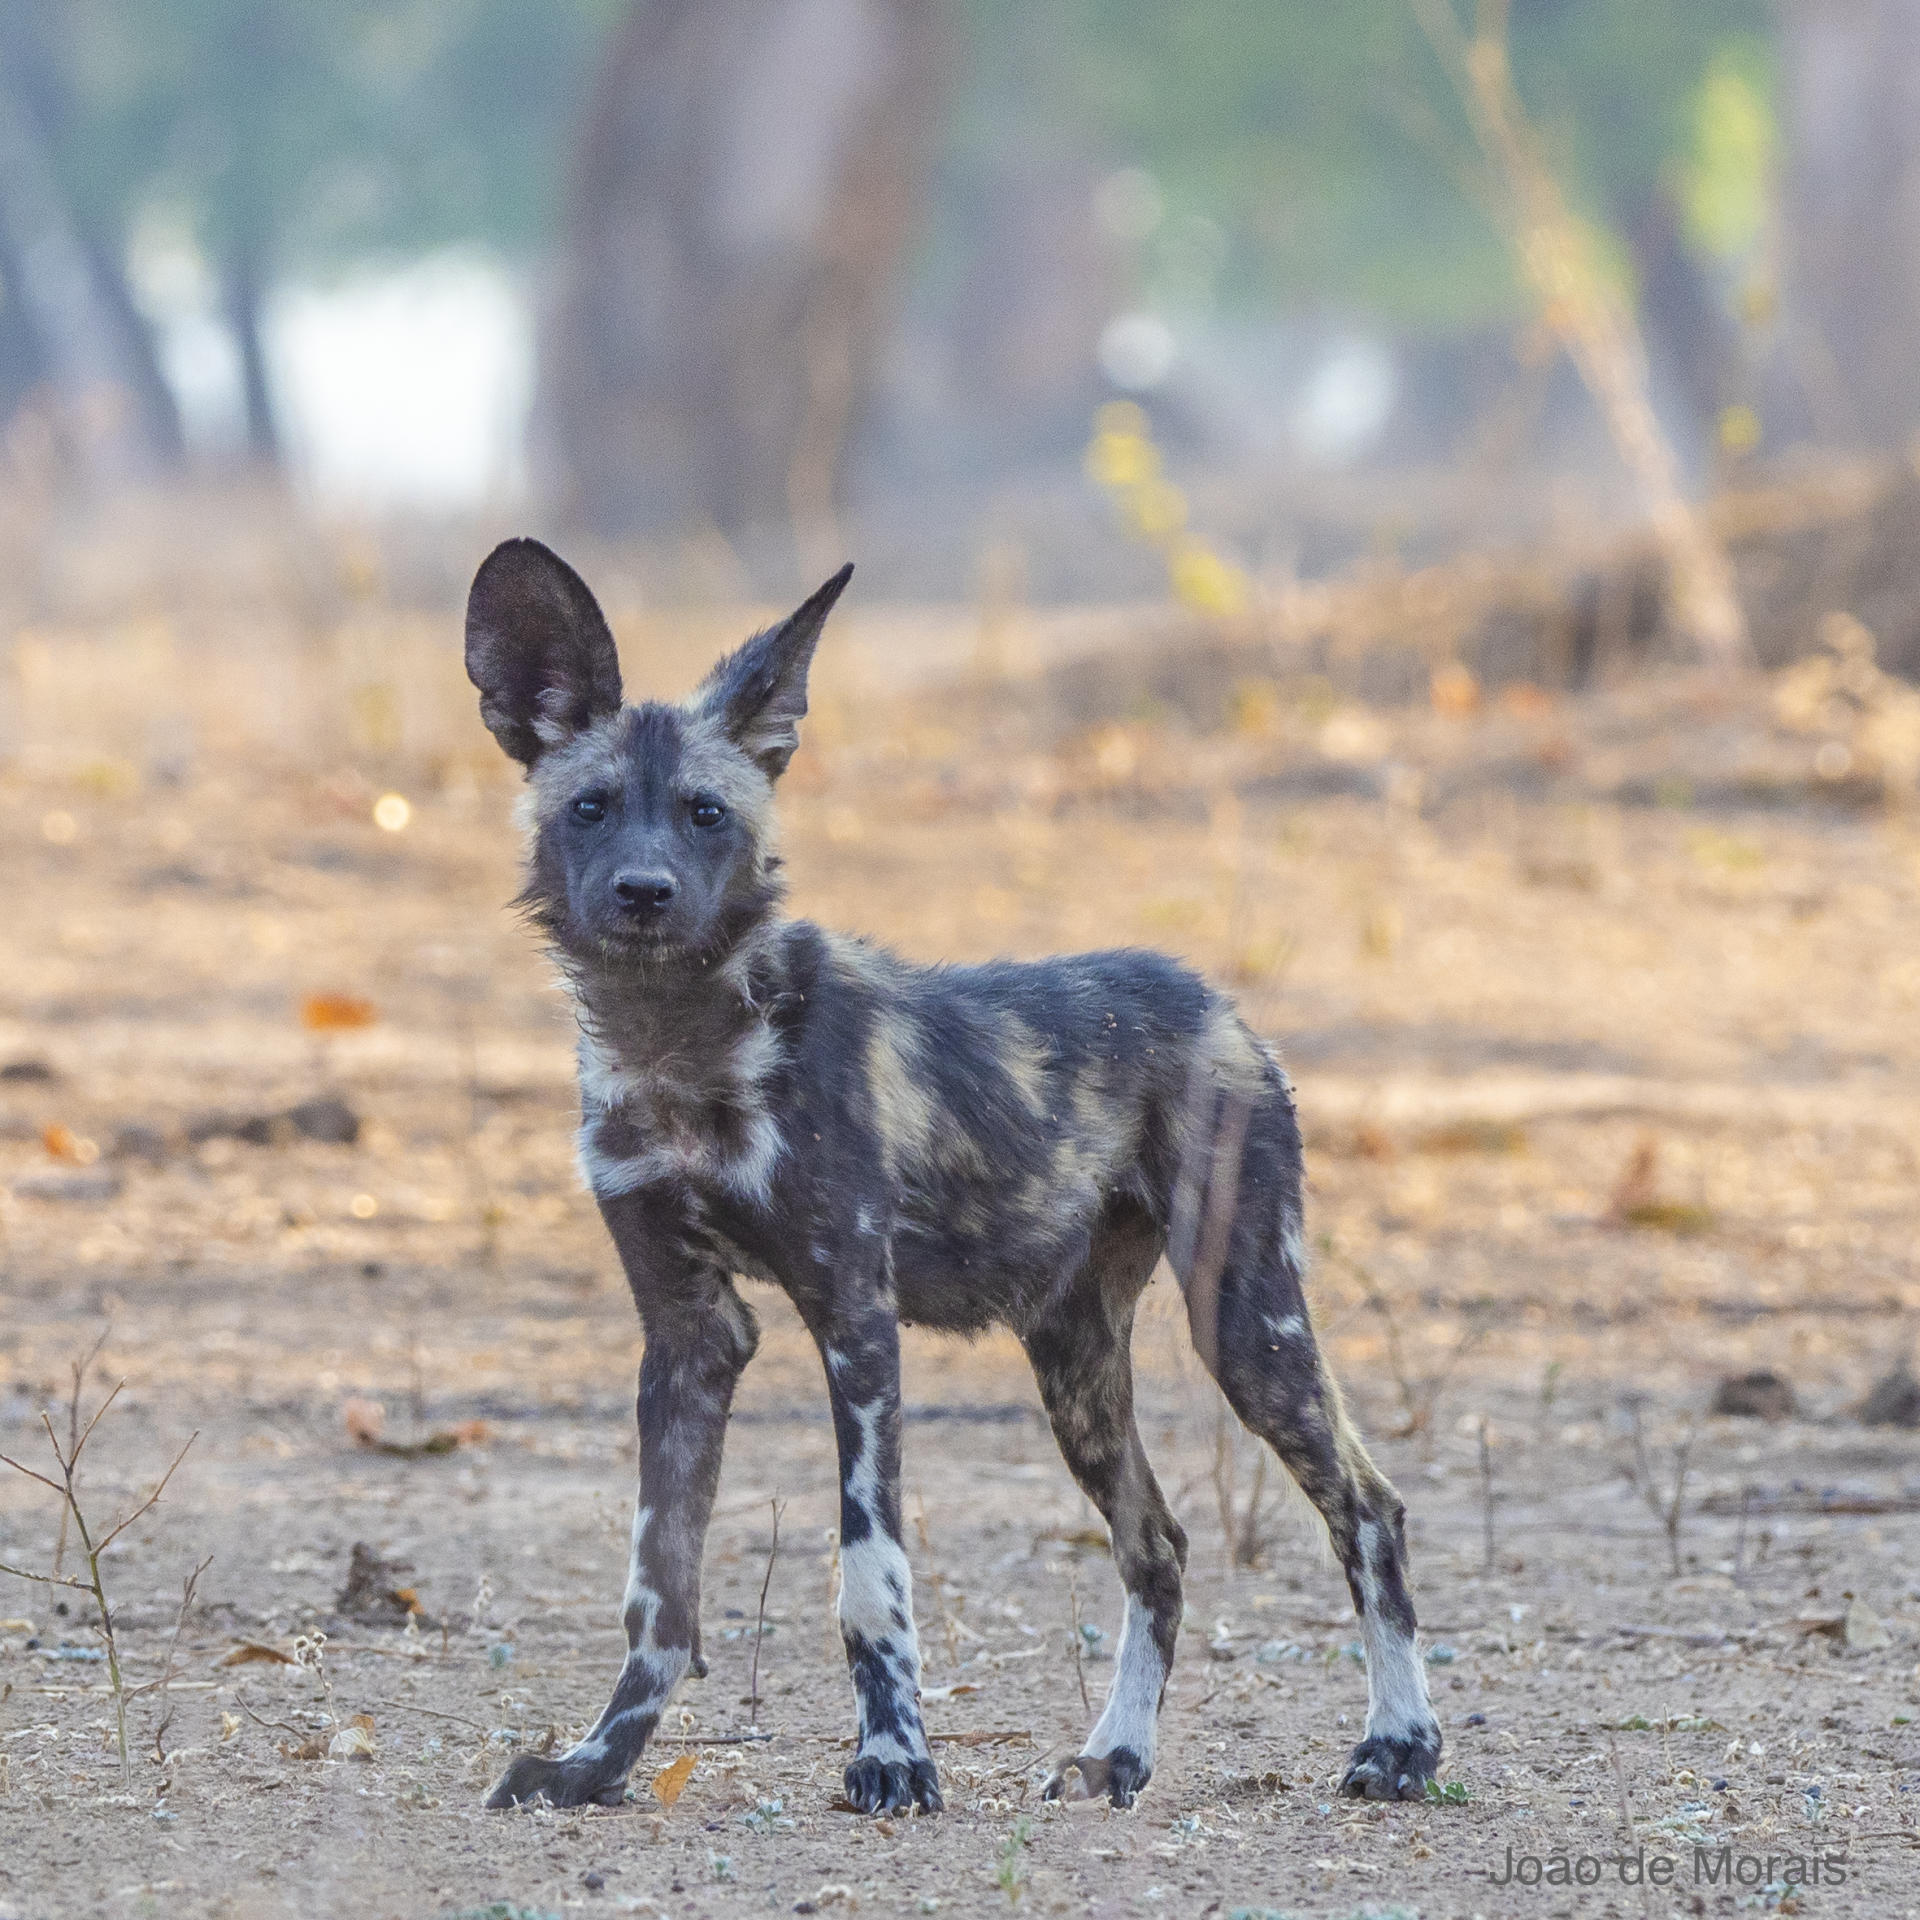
758,693
539,650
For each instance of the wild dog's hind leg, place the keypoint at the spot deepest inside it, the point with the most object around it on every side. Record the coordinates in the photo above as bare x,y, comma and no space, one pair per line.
700,1334
1081,1359
1242,1269
893,1769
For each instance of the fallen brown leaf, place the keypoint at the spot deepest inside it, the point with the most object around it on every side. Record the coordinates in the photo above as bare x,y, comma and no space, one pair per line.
248,1651
670,1782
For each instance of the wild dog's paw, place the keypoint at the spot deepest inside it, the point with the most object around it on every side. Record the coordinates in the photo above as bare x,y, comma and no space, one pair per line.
894,1786
559,1783
1119,1775
1388,1769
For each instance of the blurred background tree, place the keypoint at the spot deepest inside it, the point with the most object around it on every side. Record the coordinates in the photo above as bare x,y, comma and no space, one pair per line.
785,251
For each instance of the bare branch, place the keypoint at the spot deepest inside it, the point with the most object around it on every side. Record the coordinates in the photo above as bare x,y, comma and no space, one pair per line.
45,1579
152,1499
760,1621
7,1459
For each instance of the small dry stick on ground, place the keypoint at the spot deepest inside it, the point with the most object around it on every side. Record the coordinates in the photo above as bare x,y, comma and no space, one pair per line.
68,1461
1486,1497
164,1685
760,1621
955,1628
1245,1541
1740,1538
1419,1399
1666,1508
1624,1808
1079,1666
78,1369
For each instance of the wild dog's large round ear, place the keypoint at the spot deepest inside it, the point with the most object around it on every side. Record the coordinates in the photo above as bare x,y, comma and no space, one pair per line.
758,693
539,650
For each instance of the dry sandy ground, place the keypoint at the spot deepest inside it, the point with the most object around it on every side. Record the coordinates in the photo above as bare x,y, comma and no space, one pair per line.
1502,977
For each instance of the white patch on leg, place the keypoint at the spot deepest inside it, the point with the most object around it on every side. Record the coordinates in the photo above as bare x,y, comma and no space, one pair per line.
638,1605
1397,1703
651,1671
1132,1711
876,1598
876,1589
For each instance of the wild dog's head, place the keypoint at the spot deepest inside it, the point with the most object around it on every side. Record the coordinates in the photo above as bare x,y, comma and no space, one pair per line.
651,825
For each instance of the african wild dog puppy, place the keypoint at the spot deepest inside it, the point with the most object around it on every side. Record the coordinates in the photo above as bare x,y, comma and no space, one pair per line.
936,1146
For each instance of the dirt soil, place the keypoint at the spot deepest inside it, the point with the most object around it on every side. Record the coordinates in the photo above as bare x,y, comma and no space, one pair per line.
1611,1090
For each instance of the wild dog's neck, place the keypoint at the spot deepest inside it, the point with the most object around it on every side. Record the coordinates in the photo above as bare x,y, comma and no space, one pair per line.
680,1016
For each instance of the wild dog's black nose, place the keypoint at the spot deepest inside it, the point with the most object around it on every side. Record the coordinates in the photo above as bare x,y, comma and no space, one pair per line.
644,892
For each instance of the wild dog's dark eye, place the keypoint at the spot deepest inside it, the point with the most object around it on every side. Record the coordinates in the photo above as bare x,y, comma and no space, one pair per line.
590,807
707,812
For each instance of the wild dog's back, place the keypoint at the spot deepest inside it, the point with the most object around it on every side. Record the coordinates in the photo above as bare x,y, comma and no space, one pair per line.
1017,1107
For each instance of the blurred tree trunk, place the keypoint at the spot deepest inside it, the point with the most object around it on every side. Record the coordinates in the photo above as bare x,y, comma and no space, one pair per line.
243,289
116,413
745,186
1852,111
1691,344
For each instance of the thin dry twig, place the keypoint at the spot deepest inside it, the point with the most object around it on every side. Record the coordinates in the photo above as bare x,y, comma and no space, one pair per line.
760,1619
1665,1507
67,1459
78,1368
1419,1399
1486,1498
955,1628
164,1685
1241,1531
1079,1666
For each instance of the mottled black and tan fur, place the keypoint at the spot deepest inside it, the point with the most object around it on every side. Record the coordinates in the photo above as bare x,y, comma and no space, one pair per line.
948,1147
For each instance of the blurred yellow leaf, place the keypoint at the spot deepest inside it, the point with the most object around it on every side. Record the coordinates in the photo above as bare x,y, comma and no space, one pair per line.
64,1144
1203,580
336,1013
1454,691
670,1782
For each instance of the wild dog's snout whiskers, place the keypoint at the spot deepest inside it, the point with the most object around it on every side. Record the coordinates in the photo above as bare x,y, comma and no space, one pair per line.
949,1147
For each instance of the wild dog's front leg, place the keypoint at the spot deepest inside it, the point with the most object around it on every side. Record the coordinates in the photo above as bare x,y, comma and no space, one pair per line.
893,1769
695,1351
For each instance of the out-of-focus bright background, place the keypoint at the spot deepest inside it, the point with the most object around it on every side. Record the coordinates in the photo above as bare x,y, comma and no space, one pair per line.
1410,504
826,273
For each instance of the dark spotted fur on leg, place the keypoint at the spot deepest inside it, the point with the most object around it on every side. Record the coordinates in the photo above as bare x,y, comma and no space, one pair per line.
1080,1355
700,1335
1240,1257
892,1769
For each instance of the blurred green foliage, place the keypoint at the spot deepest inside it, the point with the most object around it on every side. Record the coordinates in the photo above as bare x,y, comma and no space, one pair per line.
319,129
1314,145
1323,138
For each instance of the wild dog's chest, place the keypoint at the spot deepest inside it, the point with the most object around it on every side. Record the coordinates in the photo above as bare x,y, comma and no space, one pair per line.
697,1118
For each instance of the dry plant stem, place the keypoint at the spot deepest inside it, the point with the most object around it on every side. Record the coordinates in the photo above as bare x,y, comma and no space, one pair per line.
1241,1531
950,1621
79,1369
1600,335
1623,1807
760,1619
165,1682
1079,1666
478,1185
94,1584
1420,1399
1486,1498
1664,1508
